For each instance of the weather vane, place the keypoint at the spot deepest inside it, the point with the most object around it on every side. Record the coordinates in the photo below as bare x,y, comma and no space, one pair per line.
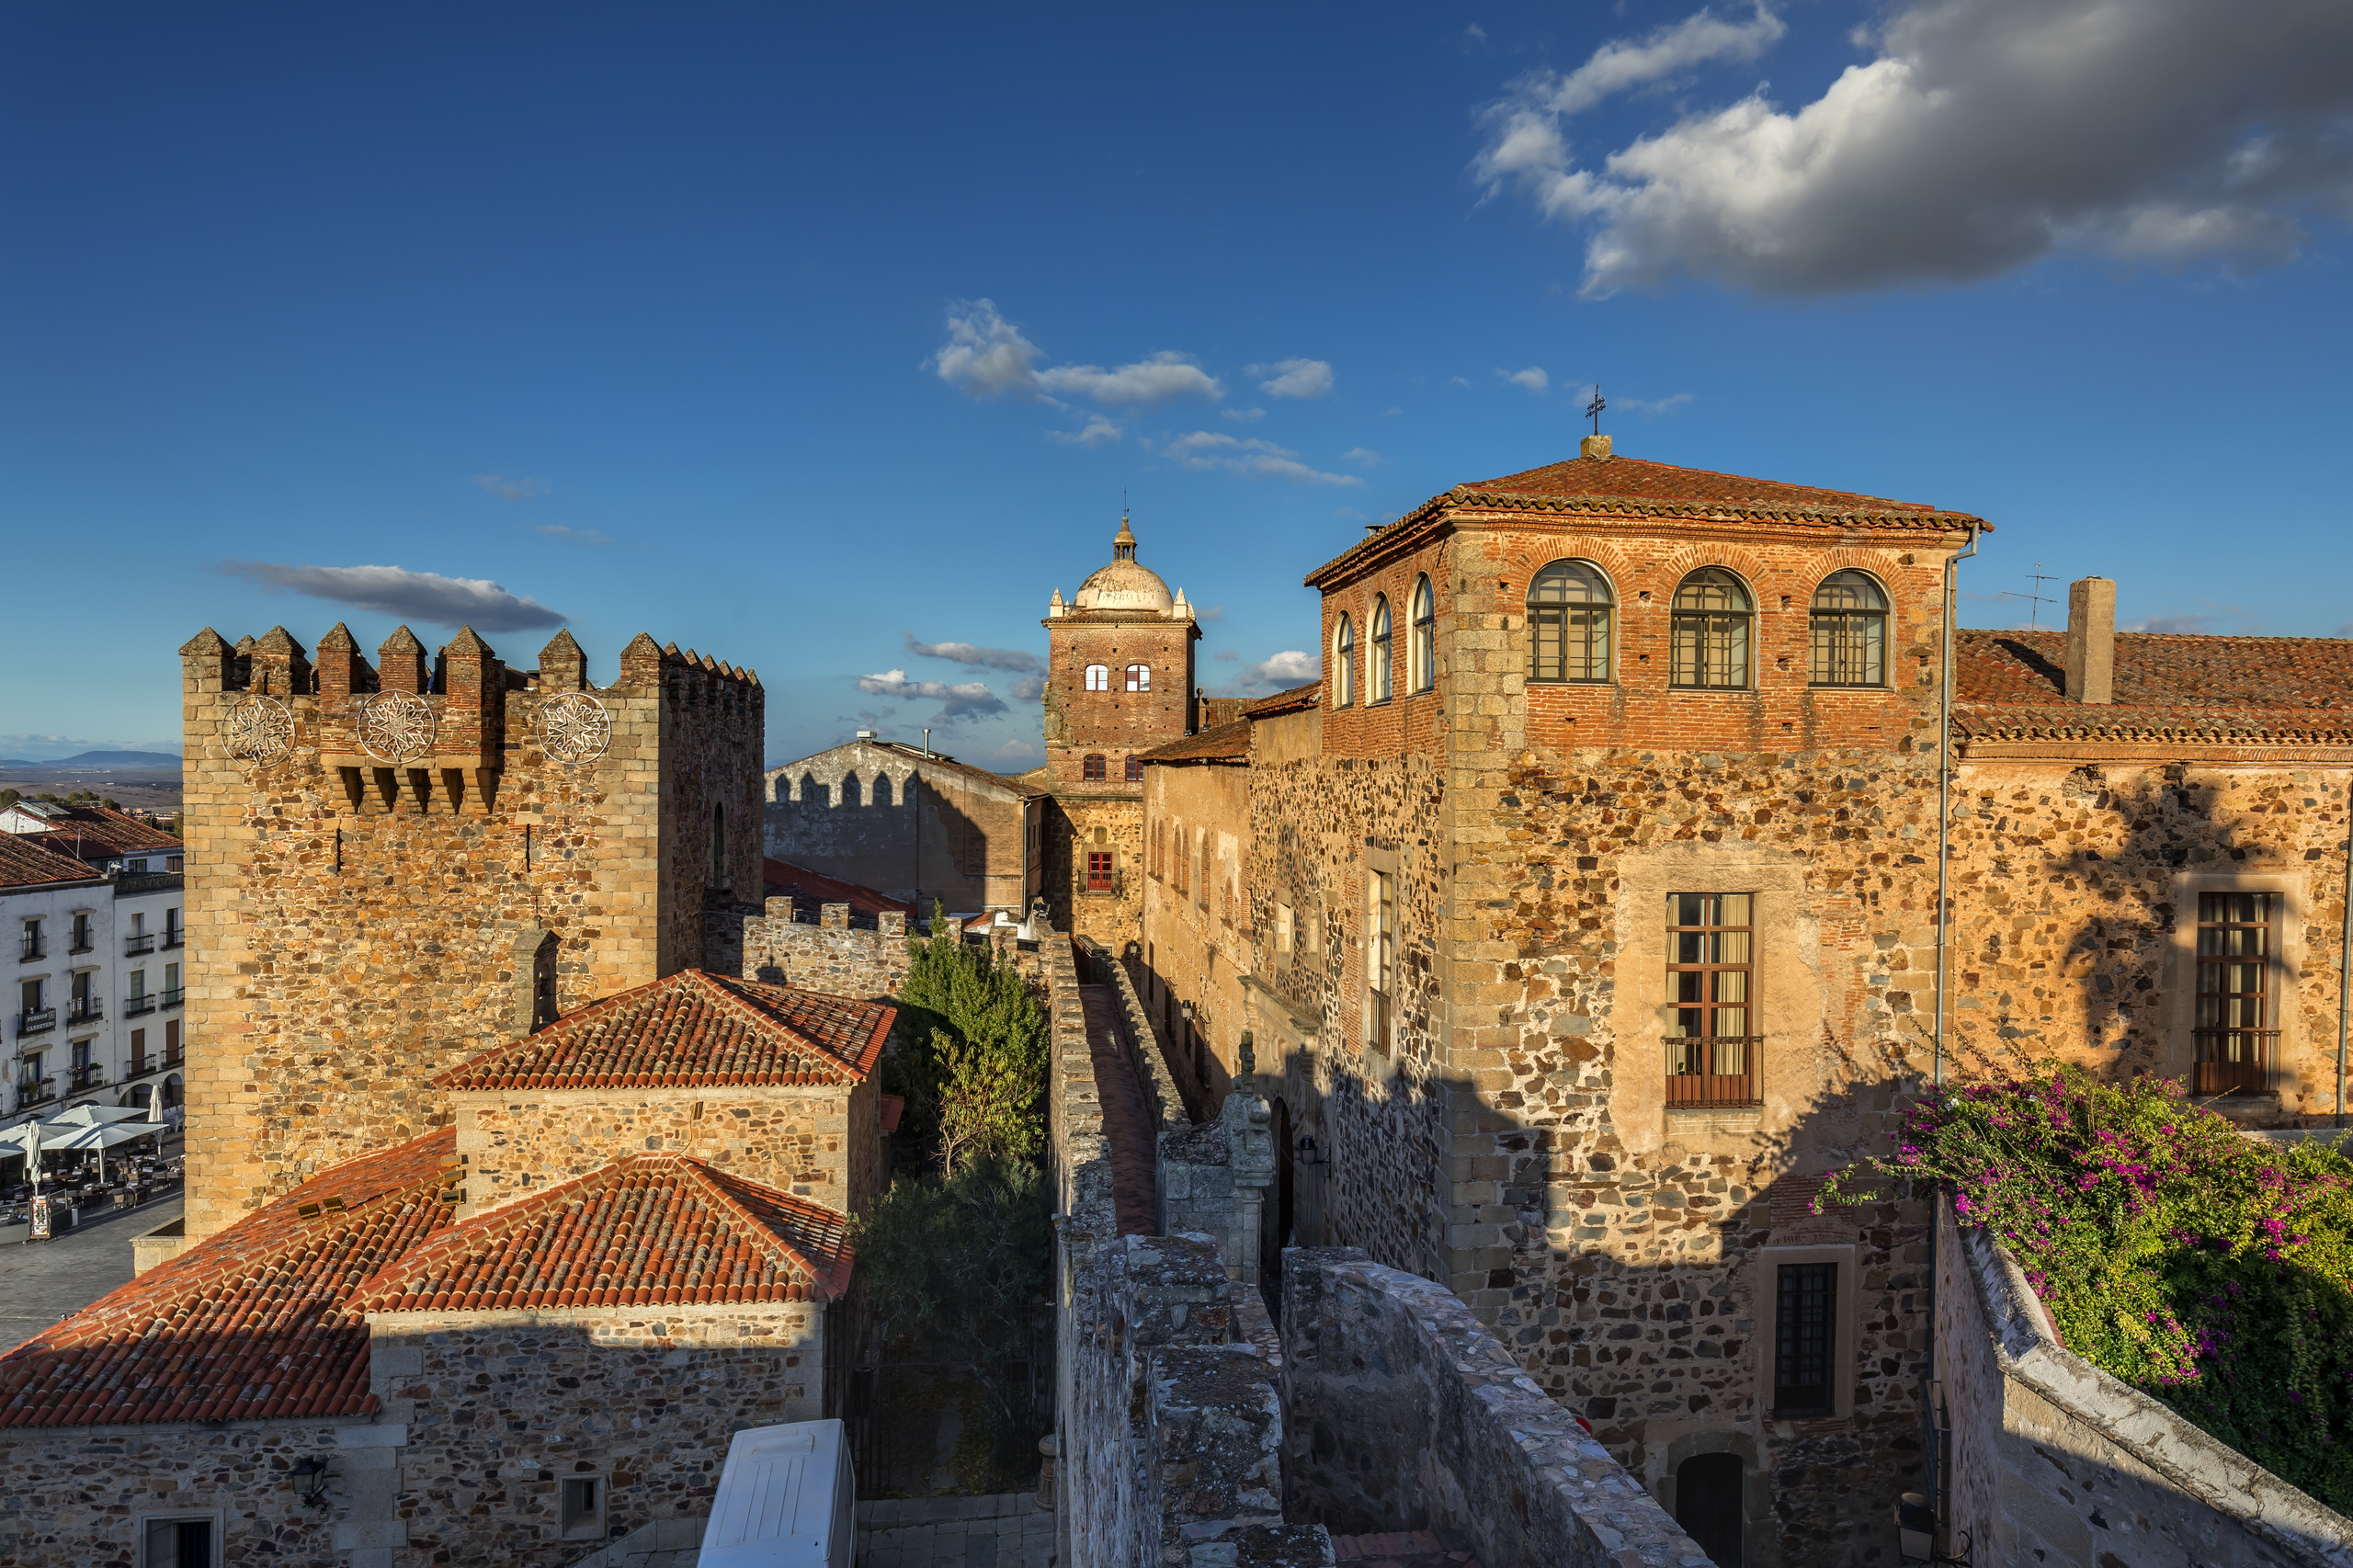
1593,409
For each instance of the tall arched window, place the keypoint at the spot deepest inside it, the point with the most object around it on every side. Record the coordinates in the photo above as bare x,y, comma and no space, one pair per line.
1092,768
1847,631
1098,677
1343,664
1709,632
1381,648
718,847
1569,611
1139,677
1422,673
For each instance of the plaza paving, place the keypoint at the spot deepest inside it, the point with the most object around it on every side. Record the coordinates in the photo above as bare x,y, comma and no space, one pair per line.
43,1281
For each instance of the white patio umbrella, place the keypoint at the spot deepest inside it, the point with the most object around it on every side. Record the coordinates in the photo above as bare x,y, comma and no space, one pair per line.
81,1139
91,1116
155,1100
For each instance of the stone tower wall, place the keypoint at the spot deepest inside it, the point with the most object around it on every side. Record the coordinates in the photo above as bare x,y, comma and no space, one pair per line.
355,928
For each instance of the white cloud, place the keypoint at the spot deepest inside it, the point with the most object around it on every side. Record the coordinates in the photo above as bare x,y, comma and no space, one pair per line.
1294,378
1533,379
967,699
1099,431
1243,415
578,535
1016,750
1213,612
1652,405
511,489
2192,623
1982,135
403,594
1225,655
1209,451
1364,455
986,355
1029,688
1458,380
1287,669
1012,659
1473,34
1392,413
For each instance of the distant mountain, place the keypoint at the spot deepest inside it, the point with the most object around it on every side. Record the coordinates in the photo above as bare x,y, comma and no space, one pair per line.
148,759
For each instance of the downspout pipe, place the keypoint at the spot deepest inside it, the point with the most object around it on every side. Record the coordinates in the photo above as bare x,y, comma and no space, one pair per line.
2345,958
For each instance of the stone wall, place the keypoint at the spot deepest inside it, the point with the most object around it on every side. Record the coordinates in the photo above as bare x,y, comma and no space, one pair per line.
2054,1461
1107,820
499,1407
864,813
1405,1413
333,902
82,1495
819,1142
766,942
1197,911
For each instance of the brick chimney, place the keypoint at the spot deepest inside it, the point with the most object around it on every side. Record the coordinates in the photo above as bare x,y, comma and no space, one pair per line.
2091,639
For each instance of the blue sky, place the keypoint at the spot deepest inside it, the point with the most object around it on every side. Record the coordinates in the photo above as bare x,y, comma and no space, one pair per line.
804,338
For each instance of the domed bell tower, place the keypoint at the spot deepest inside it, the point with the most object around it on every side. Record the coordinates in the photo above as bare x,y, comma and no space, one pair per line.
1119,682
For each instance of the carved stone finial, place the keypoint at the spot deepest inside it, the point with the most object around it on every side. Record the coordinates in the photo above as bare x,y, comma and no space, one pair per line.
1245,1073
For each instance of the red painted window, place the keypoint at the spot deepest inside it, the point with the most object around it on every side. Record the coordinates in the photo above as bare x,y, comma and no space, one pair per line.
1099,870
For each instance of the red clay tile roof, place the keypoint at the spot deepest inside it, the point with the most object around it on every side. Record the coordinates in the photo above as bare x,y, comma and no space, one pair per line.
94,833
1635,487
806,886
647,1231
1226,743
1298,697
26,862
2257,690
252,1322
691,1029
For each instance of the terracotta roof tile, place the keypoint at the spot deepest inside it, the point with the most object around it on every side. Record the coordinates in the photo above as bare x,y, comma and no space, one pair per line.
2255,690
650,1230
255,1321
1226,743
691,1029
26,862
95,832
806,886
1298,697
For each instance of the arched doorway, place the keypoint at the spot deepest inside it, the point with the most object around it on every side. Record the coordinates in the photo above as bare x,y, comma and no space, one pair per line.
1708,1504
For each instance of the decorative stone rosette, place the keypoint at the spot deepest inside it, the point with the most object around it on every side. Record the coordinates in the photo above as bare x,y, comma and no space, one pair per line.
574,727
396,726
259,730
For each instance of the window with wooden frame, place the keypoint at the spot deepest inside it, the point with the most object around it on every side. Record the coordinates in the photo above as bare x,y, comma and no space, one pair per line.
1805,1338
1381,649
2237,1037
1708,632
1710,1042
1422,664
1139,677
1569,612
1099,870
1135,769
1847,631
1098,677
1091,768
1343,664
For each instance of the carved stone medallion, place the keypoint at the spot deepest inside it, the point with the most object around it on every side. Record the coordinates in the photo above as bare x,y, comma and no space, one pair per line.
396,726
574,727
259,730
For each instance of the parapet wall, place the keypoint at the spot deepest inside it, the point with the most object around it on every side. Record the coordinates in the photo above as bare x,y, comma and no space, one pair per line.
2052,1461
773,943
1405,1413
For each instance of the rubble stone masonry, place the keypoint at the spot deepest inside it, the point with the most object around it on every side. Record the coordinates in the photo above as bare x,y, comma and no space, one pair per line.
354,926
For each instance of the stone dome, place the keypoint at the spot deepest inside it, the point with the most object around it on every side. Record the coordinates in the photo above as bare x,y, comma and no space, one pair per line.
1124,584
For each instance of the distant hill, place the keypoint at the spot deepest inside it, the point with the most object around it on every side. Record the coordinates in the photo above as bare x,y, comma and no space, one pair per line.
150,759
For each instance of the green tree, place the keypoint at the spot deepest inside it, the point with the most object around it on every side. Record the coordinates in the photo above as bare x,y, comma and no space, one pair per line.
972,1051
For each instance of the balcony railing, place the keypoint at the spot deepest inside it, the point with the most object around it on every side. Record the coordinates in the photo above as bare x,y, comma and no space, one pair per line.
173,938
82,943
88,1011
172,1057
138,1069
89,1078
29,950
139,1006
1719,1070
38,1020
31,1092
171,996
134,946
2234,1062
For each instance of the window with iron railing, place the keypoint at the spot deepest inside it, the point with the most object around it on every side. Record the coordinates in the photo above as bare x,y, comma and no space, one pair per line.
81,934
1804,1321
1099,870
134,945
2236,1041
1710,1042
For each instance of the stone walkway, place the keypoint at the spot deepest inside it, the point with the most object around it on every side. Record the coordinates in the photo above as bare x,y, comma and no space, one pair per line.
1127,1125
1008,1531
1399,1549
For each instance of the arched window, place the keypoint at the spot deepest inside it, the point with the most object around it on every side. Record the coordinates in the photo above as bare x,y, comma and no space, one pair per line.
1343,664
1201,890
718,847
1709,632
1139,677
1098,677
1848,630
1569,611
1381,660
1135,770
1422,674
1092,768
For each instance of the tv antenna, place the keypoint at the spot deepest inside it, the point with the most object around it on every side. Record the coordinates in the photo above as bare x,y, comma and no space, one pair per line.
2035,600
1593,412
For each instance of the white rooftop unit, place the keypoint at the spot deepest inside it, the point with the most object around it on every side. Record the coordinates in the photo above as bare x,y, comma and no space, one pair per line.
786,1499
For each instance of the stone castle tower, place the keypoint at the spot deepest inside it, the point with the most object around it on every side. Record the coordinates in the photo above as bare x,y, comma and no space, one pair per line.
1118,682
393,868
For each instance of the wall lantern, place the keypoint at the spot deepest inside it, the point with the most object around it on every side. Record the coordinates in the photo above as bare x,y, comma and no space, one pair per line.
1307,1154
1915,1534
310,1479
1185,1011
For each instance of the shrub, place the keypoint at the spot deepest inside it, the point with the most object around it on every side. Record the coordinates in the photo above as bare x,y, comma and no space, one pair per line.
2212,1271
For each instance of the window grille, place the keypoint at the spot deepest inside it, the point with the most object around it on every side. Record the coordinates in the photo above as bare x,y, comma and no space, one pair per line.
1803,1334
1710,1042
1846,630
1570,612
2237,1039
1709,632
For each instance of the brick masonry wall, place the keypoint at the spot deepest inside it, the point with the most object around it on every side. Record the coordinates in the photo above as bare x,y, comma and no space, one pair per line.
81,1494
1118,722
500,1408
324,933
818,1144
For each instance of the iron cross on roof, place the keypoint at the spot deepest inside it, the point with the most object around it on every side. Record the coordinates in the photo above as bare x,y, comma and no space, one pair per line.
1593,409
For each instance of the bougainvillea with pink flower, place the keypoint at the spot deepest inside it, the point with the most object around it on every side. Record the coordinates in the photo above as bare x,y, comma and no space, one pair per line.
2211,1271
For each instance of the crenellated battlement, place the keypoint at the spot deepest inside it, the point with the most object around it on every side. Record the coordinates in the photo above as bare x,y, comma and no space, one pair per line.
277,665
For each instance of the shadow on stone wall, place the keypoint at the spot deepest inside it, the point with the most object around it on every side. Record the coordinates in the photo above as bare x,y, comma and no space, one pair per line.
871,838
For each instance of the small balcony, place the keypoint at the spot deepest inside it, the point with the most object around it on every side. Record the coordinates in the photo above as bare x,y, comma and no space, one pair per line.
31,1092
175,937
32,949
171,998
84,1010
134,946
90,1077
172,1058
2234,1062
39,1020
82,943
139,1006
1712,1071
